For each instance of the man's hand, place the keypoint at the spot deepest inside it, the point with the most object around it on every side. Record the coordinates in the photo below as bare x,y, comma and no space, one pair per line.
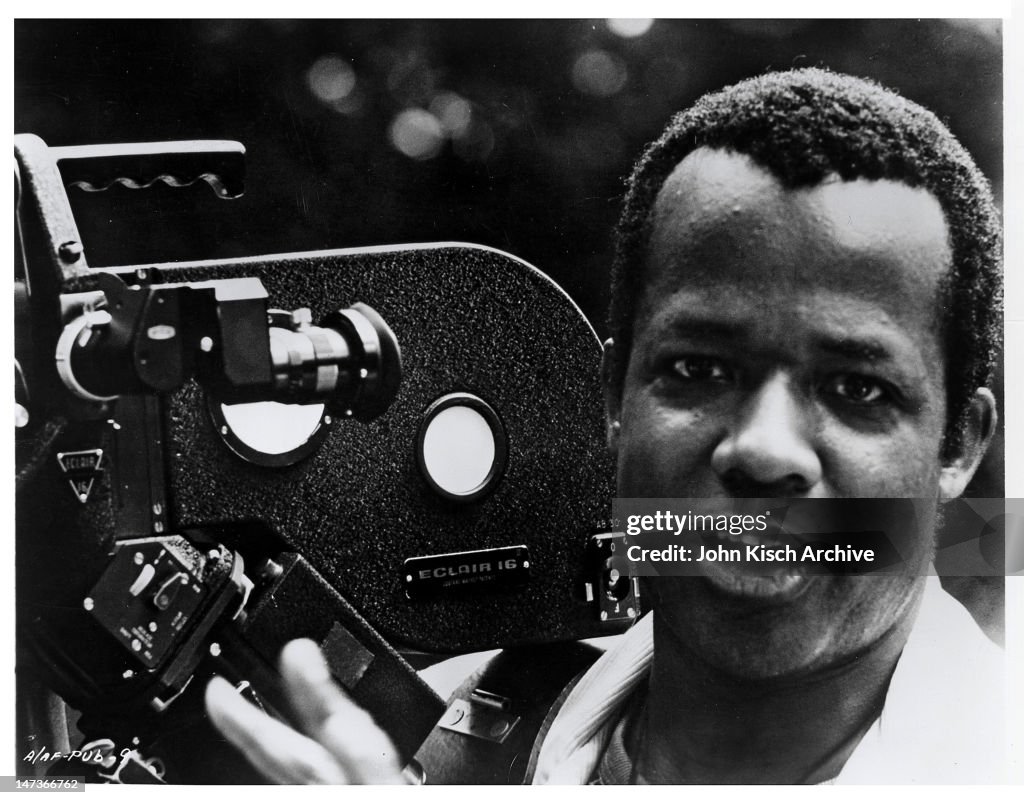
341,744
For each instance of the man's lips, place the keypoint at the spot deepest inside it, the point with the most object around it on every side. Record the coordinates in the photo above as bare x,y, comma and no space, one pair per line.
775,580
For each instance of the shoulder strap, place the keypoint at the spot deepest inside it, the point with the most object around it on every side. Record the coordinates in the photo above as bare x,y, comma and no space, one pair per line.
518,683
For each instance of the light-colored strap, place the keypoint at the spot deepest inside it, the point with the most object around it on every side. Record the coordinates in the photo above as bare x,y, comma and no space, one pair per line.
580,731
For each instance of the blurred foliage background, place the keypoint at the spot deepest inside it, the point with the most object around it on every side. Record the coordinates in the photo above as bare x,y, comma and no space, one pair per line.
516,134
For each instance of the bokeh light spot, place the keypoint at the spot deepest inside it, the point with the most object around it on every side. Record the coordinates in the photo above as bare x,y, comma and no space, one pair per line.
454,112
599,73
331,78
417,134
630,28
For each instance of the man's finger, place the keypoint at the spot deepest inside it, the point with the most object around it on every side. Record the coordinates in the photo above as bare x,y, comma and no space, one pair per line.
274,749
362,748
314,694
328,715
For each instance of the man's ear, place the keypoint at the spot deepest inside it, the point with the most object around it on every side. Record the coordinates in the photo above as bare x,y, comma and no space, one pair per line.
962,458
611,380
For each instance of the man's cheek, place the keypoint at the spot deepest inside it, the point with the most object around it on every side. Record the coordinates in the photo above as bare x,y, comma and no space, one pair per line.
879,467
647,452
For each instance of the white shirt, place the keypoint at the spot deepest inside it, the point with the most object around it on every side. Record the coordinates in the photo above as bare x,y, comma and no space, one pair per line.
942,721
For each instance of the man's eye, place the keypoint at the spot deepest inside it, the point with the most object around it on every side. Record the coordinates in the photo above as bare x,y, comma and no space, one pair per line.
857,389
700,368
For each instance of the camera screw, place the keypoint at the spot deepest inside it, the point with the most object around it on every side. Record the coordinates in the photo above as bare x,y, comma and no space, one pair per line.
70,252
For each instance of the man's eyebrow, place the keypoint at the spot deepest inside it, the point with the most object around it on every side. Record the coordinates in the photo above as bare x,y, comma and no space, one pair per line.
863,349
704,328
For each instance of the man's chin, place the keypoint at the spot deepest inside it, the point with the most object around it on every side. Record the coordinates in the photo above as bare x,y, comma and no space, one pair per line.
770,628
754,628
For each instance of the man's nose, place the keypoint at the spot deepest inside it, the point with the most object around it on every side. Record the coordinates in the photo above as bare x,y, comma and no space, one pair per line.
769,448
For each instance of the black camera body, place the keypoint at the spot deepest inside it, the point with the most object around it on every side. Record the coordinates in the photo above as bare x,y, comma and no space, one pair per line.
440,483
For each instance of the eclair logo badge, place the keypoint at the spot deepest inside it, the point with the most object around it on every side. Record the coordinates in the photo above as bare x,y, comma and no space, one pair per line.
449,574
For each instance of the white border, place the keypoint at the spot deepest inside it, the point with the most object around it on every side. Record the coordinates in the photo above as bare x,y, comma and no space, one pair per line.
1014,163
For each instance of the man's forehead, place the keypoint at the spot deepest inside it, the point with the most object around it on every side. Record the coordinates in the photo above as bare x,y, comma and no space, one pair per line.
719,209
709,180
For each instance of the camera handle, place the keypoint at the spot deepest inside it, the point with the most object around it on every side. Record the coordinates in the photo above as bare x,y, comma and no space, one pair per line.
50,259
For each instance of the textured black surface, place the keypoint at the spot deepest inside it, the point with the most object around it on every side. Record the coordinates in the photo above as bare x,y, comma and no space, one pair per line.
468,319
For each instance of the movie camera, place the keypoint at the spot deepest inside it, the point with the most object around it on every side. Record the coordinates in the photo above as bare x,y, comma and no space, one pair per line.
397,452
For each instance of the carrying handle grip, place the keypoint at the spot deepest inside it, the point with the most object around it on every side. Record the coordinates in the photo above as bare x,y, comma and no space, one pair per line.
220,163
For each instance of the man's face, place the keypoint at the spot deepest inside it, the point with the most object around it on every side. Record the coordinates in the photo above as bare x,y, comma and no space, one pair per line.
788,344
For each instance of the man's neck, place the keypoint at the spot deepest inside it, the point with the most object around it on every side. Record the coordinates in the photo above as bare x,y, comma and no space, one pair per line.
700,725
